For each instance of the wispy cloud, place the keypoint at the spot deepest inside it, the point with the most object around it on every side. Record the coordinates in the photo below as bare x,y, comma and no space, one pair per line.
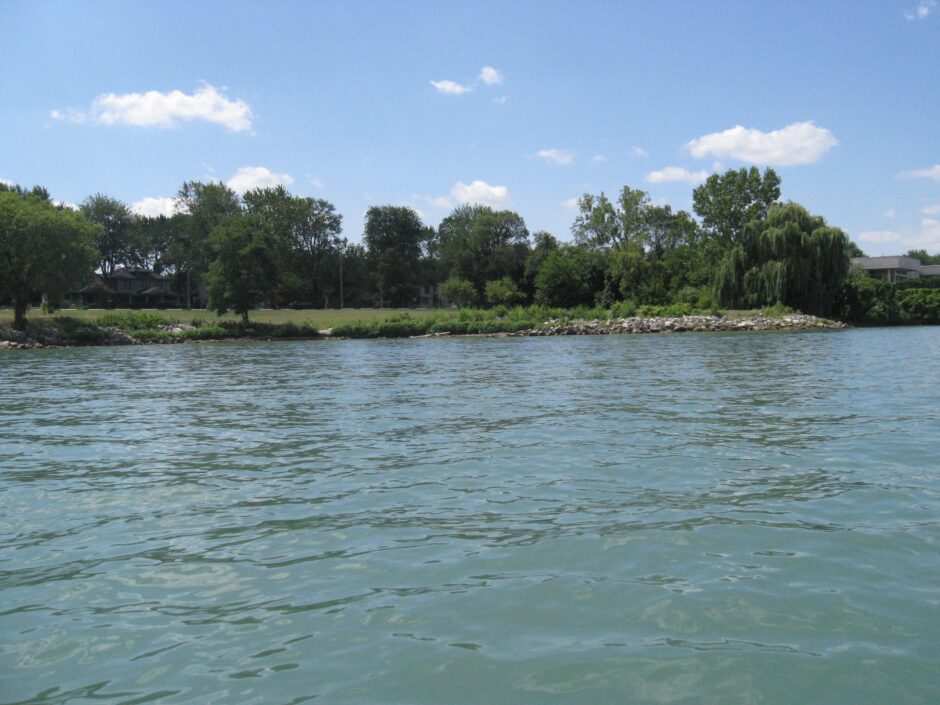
638,153
598,159
890,213
799,143
480,193
451,87
252,177
932,210
570,204
490,76
442,202
926,237
921,11
555,156
676,173
154,206
932,172
7,182
163,110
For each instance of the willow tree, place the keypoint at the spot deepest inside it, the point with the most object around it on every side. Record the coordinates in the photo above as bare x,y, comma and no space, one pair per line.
791,258
44,249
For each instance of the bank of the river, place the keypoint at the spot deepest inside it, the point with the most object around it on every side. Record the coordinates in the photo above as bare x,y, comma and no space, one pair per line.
68,332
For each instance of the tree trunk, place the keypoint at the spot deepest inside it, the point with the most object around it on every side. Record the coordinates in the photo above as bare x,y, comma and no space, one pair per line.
245,317
20,304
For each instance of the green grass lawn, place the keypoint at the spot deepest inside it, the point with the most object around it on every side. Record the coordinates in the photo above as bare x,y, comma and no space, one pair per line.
319,318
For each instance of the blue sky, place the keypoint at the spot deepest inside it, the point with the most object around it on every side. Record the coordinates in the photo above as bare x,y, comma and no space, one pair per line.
523,105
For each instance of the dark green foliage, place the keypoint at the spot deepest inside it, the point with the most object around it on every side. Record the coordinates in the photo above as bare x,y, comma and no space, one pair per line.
792,258
459,292
865,300
43,250
478,244
563,279
503,292
245,266
919,305
728,202
394,236
116,234
131,320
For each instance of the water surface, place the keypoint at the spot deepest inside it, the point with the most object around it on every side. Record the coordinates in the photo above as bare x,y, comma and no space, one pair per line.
701,518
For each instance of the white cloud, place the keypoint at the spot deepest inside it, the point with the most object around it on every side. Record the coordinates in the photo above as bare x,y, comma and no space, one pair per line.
932,172
154,206
251,177
480,193
316,182
638,152
799,143
879,236
155,109
501,100
570,204
922,11
65,204
442,202
676,173
6,182
598,159
926,237
451,87
890,213
932,210
490,76
555,156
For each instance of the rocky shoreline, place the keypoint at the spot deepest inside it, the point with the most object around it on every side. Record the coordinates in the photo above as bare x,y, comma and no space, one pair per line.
51,337
683,324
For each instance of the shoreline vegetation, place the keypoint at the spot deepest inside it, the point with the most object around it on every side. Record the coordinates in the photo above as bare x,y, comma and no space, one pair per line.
248,257
138,328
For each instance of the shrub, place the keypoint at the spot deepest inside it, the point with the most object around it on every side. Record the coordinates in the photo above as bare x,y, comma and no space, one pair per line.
503,291
458,291
131,320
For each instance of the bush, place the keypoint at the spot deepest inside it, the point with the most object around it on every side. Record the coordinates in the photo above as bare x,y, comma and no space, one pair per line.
131,320
503,291
458,291
623,309
919,305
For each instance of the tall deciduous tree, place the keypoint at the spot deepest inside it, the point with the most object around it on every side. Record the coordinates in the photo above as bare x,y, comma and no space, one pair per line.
394,236
728,202
793,258
206,206
44,249
116,241
479,244
244,266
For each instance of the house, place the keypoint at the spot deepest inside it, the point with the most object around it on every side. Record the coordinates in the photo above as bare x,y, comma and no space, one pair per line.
128,287
428,296
896,269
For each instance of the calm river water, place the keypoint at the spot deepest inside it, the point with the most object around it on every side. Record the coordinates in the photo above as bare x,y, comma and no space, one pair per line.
699,518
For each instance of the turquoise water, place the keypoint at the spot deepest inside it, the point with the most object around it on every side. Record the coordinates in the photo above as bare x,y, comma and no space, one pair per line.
713,518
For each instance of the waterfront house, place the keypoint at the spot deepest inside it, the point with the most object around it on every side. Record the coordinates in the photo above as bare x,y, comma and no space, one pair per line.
896,269
130,287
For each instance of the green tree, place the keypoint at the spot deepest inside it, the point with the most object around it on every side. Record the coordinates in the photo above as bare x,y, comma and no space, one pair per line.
245,265
793,258
728,202
503,292
563,279
600,224
205,206
307,234
459,292
394,236
116,242
44,249
479,244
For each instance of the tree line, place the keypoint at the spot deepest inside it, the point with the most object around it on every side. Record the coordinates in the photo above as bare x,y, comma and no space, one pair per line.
269,247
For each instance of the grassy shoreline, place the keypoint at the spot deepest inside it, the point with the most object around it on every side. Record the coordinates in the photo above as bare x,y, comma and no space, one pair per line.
132,327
